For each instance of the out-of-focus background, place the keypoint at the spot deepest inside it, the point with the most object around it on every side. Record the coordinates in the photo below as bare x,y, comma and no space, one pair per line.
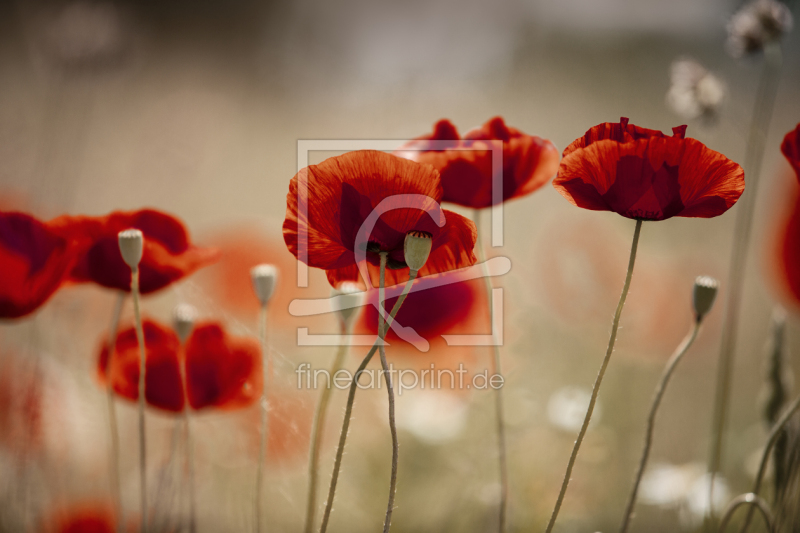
195,108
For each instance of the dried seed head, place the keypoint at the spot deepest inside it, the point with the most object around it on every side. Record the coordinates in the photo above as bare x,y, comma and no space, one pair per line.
705,292
183,318
131,246
756,24
417,248
694,91
264,278
346,300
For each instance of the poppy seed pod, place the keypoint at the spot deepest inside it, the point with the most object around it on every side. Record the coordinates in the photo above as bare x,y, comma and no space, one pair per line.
417,248
131,246
264,278
183,318
705,291
346,299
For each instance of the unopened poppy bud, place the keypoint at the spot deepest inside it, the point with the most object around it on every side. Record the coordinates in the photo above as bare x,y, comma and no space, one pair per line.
264,277
417,248
346,299
131,245
705,292
183,317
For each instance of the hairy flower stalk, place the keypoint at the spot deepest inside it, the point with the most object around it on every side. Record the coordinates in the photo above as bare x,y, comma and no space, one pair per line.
596,389
498,392
390,391
264,278
116,492
183,321
774,436
415,247
349,295
131,247
756,140
704,294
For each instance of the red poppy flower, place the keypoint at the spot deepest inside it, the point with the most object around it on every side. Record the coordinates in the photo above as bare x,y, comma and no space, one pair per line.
436,305
86,517
34,262
791,149
466,168
222,371
643,174
341,194
790,250
163,383
168,253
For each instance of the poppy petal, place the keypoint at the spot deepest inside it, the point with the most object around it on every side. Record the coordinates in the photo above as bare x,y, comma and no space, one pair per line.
222,371
790,147
35,262
168,254
453,248
163,382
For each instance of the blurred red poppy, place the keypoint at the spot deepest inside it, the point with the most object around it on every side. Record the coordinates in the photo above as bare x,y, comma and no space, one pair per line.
168,253
22,428
163,383
791,149
466,168
790,250
341,194
34,262
643,174
436,305
222,371
89,517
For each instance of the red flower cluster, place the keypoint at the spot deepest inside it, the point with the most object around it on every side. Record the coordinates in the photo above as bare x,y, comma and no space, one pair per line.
222,371
466,166
37,257
643,174
328,203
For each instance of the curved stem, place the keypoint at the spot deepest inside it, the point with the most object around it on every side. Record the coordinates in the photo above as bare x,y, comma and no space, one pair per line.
142,365
387,522
262,447
756,139
774,434
317,430
682,348
498,392
189,445
754,501
596,389
116,492
348,410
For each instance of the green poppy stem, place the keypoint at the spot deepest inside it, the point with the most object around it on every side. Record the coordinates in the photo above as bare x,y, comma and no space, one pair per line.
262,448
116,492
596,389
317,431
774,434
756,140
348,411
142,365
498,392
390,391
682,348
